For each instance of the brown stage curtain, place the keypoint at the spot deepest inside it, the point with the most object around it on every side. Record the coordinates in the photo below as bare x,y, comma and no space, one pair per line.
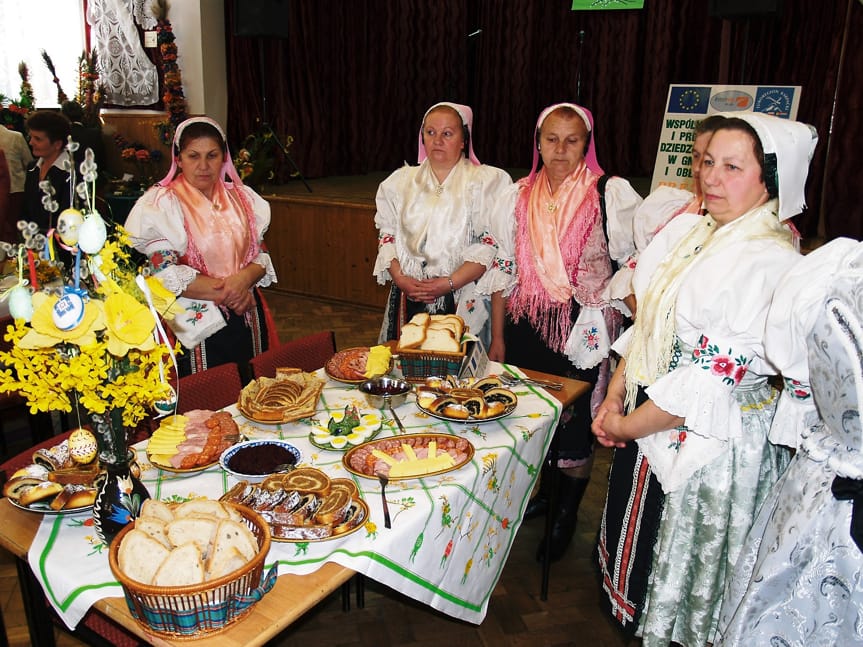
351,80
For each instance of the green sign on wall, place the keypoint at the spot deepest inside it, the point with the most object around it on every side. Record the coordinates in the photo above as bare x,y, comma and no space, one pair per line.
594,5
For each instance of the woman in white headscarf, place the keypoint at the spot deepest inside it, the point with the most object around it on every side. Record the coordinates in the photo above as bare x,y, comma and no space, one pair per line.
443,228
689,407
202,230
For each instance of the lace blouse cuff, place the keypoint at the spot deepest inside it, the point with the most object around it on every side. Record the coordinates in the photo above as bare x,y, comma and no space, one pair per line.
706,403
500,277
480,253
263,259
386,254
177,278
795,414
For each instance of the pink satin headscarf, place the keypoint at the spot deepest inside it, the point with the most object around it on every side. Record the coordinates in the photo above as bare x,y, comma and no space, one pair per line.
589,156
227,167
466,115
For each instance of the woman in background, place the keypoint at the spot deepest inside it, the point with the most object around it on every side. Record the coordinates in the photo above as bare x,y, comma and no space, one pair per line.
202,231
49,133
441,227
659,208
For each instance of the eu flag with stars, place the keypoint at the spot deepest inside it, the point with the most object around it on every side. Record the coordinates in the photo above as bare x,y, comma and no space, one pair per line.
689,99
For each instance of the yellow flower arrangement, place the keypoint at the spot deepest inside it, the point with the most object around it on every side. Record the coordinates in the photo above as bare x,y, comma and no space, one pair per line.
90,345
109,360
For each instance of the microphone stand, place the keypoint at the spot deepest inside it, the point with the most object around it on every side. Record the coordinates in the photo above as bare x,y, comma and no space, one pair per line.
265,124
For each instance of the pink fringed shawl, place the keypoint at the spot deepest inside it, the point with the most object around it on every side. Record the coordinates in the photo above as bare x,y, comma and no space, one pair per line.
583,251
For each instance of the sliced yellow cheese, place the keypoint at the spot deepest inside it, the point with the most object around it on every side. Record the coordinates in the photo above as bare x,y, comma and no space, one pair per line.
386,458
161,459
422,466
409,452
432,448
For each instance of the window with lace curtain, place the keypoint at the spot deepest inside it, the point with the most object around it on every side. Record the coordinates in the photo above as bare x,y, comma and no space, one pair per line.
28,27
58,27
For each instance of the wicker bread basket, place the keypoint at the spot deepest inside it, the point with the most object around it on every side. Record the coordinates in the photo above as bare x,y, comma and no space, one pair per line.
419,364
196,611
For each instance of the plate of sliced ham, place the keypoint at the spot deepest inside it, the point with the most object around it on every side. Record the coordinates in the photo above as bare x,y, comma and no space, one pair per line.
193,441
348,365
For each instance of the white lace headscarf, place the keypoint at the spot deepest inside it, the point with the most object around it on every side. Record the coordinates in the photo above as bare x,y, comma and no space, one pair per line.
228,167
653,338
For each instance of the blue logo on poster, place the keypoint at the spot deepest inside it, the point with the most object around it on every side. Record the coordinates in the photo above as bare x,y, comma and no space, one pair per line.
689,99
774,101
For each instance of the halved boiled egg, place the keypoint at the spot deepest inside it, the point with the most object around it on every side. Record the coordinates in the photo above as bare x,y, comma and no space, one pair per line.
370,420
338,442
355,438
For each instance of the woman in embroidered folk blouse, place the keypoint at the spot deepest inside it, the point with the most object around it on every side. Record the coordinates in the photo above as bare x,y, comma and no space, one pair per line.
440,228
203,234
556,319
692,388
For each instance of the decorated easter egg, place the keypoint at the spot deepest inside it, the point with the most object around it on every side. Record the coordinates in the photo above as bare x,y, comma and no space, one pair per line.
92,233
68,311
68,223
21,303
169,404
83,446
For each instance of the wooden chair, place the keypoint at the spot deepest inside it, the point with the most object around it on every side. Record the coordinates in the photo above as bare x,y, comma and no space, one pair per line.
213,388
308,353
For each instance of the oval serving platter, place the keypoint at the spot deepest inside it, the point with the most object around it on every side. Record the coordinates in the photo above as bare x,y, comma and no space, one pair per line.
356,460
44,508
470,420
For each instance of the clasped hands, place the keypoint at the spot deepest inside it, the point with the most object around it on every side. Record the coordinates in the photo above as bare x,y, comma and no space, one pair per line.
424,290
609,424
233,292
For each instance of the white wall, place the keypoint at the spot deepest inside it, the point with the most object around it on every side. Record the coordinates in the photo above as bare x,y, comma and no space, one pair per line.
199,29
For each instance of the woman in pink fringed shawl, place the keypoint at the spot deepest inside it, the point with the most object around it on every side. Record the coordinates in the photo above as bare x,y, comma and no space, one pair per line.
556,318
202,230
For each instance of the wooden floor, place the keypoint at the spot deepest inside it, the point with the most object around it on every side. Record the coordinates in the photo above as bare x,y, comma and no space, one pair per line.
516,615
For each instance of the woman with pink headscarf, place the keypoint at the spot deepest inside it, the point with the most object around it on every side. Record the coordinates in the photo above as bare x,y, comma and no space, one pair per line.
441,228
202,230
556,318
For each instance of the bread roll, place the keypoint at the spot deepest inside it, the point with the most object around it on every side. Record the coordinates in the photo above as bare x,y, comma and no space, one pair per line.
43,491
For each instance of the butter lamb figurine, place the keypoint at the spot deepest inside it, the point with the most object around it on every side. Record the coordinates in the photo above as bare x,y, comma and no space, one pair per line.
799,578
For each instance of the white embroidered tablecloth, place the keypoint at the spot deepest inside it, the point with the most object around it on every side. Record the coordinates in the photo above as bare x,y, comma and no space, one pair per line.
450,537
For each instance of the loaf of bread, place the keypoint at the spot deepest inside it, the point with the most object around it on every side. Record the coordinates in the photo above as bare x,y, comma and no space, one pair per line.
441,333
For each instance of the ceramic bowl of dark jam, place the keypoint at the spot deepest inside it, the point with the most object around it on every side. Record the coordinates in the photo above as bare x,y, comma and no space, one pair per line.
380,389
254,460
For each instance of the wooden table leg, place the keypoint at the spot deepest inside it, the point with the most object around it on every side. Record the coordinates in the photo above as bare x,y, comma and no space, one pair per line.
39,618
